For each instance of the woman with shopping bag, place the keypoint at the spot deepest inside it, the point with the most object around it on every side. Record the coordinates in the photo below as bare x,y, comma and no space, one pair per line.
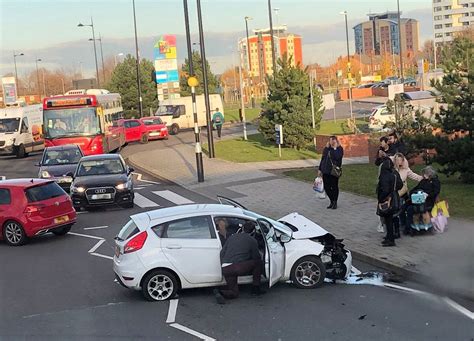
330,169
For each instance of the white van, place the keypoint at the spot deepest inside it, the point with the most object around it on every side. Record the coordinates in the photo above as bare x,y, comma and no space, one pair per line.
177,113
21,130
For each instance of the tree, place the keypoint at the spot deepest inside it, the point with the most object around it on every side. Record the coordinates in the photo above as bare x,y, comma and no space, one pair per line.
456,151
288,103
211,78
124,81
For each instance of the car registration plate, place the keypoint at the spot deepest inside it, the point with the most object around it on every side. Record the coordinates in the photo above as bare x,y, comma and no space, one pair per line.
101,196
155,133
65,180
61,220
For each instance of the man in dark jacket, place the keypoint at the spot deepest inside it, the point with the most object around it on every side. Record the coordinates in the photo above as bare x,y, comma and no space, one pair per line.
389,182
332,156
383,150
395,145
239,257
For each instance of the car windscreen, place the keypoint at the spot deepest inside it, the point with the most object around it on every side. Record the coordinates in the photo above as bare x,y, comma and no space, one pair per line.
61,157
71,122
9,125
152,121
100,167
167,110
279,226
44,192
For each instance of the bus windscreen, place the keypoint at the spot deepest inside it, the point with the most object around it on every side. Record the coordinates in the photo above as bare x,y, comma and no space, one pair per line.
71,122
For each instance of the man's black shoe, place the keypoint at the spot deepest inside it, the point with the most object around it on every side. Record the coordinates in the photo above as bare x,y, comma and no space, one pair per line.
388,243
256,291
219,298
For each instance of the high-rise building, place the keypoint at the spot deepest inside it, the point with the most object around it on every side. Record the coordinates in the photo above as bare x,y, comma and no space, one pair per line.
380,35
261,63
451,16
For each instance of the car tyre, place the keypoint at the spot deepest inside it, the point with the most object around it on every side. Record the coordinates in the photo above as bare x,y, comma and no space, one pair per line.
159,285
308,273
14,234
21,152
174,129
129,204
62,230
144,139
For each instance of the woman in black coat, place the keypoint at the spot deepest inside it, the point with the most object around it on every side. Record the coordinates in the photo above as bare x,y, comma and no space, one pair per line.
389,182
332,155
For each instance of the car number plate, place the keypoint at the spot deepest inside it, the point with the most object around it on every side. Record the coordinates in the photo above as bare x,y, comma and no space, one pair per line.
61,220
155,133
64,180
101,196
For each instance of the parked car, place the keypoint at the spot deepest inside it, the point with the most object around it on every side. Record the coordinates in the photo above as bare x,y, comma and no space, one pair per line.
164,250
155,128
32,207
409,81
135,130
102,180
380,115
57,162
365,86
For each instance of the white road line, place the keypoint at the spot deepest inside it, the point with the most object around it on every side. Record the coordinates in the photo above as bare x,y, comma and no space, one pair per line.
139,178
85,235
399,287
459,308
138,188
96,246
143,202
96,227
355,271
103,256
81,212
192,332
172,311
173,197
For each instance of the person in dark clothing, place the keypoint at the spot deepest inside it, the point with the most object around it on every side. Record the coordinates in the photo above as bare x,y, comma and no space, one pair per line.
383,150
395,145
221,225
240,256
332,156
389,181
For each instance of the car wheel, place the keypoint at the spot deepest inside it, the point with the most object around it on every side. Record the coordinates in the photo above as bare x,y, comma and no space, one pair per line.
144,139
174,129
308,273
128,205
62,230
21,152
159,285
14,234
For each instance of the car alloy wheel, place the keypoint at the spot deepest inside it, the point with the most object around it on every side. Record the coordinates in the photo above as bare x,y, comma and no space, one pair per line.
159,286
308,272
14,233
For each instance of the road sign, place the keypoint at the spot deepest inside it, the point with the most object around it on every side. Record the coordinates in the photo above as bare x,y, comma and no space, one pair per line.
279,137
395,89
9,90
329,101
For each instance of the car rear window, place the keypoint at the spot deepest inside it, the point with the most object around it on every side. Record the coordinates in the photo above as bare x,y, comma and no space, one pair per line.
44,192
130,229
5,196
149,122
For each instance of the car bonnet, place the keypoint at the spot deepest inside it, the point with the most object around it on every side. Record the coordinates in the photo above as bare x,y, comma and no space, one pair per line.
306,228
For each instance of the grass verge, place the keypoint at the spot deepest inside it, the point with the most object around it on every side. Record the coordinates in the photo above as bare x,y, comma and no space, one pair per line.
339,127
232,114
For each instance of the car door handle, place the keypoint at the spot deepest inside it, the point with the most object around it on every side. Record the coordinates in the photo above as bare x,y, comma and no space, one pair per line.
173,246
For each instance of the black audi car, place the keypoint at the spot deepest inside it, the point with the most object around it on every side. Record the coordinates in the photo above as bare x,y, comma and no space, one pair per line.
102,180
58,163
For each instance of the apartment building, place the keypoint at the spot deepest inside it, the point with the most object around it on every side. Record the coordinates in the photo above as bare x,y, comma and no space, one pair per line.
451,16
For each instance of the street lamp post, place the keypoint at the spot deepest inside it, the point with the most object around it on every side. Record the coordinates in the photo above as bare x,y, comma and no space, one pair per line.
210,137
101,56
16,71
400,40
38,77
348,66
270,19
242,105
139,86
249,61
95,49
192,81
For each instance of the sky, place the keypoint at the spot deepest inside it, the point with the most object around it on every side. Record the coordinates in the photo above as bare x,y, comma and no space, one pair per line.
49,27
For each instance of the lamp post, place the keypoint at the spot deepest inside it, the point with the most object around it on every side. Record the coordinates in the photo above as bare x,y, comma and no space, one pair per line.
249,61
37,76
192,81
139,86
276,10
348,66
270,19
101,56
241,85
210,137
400,40
91,25
16,71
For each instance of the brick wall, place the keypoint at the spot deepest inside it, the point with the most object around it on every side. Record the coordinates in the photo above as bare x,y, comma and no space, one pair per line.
356,93
354,145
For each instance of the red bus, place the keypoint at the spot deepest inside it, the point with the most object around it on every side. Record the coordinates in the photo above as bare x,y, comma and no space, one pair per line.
85,120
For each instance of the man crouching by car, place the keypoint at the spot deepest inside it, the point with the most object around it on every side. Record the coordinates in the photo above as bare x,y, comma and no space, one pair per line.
239,257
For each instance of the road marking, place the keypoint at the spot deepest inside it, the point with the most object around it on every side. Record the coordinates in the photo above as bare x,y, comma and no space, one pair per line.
96,246
459,308
399,287
139,178
143,202
192,332
173,197
138,188
355,271
85,235
172,311
103,256
96,227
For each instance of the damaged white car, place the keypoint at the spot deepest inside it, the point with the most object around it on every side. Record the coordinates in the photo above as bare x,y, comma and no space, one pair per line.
162,251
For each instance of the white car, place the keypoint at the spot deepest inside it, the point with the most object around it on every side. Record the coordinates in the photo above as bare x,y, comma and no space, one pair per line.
164,250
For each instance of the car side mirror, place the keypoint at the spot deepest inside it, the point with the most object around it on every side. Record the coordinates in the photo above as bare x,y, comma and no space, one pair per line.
284,238
130,170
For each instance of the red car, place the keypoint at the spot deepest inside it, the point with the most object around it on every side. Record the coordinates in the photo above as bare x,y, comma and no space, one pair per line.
31,207
155,127
135,130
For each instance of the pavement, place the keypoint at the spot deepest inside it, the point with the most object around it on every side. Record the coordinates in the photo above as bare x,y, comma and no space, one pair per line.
372,100
442,260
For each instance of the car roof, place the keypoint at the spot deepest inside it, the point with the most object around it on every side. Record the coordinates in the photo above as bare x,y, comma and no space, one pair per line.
63,147
101,157
169,212
23,182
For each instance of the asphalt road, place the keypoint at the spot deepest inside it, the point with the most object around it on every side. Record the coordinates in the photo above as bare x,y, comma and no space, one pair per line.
359,110
54,288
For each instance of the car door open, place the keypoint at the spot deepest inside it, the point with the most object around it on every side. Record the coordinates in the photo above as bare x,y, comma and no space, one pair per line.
275,252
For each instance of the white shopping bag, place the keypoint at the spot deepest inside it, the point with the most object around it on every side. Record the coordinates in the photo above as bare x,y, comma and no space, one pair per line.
322,195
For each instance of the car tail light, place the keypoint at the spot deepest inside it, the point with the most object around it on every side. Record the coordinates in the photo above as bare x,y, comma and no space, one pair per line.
136,243
96,145
33,208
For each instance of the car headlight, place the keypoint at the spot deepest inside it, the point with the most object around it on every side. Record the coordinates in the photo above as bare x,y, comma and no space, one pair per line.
45,174
124,185
79,189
